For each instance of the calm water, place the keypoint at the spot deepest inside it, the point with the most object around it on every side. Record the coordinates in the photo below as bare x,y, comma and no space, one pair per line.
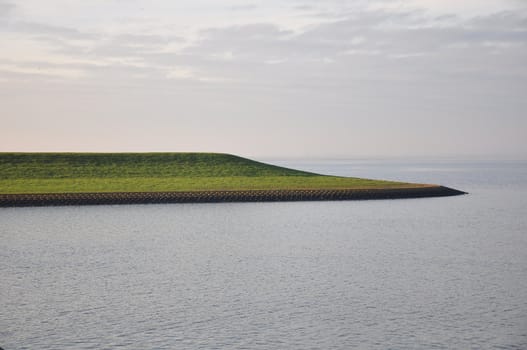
441,273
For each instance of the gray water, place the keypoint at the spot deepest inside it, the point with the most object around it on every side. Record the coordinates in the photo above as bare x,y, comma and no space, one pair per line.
438,273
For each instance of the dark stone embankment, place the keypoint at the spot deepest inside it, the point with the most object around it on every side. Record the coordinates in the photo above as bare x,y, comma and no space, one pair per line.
58,199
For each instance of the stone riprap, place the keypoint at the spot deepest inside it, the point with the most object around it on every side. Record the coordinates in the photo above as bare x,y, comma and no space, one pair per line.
101,198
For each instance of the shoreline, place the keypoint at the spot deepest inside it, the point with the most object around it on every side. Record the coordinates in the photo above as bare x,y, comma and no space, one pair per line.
112,198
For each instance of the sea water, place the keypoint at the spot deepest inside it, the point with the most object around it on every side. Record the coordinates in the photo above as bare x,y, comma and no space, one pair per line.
436,273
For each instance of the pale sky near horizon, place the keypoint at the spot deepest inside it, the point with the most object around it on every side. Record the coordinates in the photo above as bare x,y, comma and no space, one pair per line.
282,79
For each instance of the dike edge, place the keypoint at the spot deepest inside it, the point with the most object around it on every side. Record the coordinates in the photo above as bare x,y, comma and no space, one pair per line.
109,198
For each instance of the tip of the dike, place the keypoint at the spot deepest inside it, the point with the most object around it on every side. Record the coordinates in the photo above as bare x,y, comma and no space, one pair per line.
448,191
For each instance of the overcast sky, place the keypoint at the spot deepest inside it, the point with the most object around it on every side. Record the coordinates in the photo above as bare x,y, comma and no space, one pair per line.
297,78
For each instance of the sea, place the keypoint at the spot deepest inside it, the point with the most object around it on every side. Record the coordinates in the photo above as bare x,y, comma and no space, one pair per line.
429,273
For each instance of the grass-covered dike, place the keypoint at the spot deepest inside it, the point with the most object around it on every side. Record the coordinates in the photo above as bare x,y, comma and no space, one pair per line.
43,179
159,172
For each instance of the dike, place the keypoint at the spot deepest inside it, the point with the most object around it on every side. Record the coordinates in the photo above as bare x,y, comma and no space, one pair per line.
108,198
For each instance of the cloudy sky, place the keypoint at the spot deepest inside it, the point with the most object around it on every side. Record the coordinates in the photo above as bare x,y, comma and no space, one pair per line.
297,78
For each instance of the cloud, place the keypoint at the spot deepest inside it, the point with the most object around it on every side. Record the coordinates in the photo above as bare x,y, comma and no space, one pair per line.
181,73
40,29
243,7
5,8
58,72
375,40
146,39
379,42
364,34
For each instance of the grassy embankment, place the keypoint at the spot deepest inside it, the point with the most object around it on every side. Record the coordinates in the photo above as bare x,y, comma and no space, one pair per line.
159,172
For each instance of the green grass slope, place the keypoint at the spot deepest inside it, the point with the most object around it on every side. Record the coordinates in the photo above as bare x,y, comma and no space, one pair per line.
156,172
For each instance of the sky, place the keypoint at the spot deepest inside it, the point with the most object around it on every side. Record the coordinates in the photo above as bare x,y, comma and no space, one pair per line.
265,78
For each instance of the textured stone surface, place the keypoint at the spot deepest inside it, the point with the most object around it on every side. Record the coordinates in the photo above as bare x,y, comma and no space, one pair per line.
21,200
